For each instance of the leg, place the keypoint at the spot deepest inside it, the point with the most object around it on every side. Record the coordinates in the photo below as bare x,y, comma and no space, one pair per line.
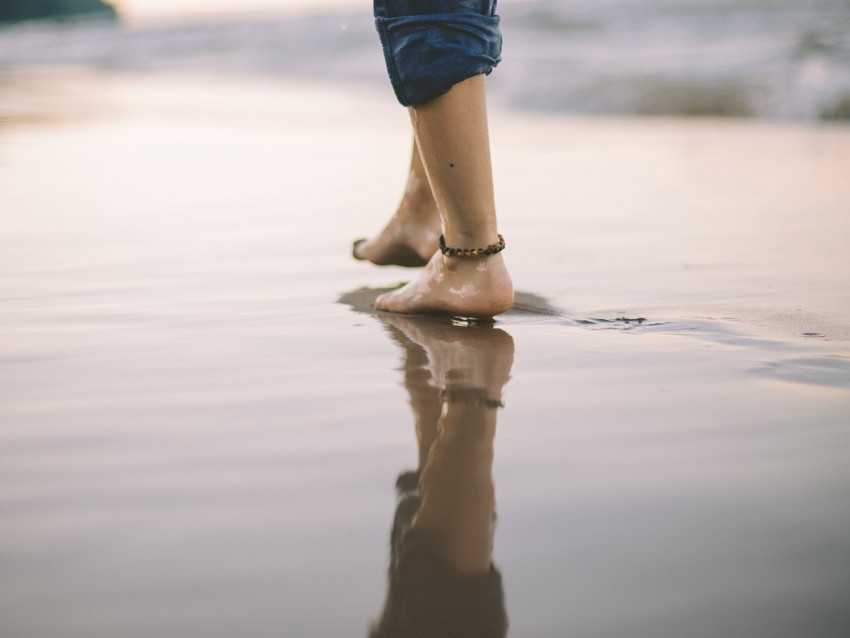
452,136
410,237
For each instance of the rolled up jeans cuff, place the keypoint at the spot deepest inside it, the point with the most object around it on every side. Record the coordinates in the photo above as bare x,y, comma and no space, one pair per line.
428,53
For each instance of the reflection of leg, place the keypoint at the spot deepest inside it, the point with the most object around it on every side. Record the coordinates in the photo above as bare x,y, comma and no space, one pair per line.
410,237
457,489
471,365
452,135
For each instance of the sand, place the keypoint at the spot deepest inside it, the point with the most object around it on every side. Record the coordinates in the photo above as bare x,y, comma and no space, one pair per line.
202,421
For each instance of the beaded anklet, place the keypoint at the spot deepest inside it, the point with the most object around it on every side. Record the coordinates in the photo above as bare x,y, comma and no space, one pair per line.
492,249
470,396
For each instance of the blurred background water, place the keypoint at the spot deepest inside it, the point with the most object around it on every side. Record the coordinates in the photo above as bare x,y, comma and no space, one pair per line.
776,59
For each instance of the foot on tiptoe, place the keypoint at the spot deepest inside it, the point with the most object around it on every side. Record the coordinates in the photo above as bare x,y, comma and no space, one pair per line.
409,239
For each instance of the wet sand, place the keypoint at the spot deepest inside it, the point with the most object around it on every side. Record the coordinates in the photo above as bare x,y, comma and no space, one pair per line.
203,422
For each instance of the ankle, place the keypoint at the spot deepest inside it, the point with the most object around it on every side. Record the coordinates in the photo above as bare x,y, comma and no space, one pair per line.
473,251
489,270
418,197
471,238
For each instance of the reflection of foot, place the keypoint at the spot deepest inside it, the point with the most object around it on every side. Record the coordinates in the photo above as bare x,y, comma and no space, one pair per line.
462,286
458,357
409,239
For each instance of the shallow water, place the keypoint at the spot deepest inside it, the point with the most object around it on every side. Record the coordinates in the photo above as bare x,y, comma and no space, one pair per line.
203,423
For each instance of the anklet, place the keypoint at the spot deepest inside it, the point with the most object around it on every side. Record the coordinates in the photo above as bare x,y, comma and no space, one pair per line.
492,249
470,396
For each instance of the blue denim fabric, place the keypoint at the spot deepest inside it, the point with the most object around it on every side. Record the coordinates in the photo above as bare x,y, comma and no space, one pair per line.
431,45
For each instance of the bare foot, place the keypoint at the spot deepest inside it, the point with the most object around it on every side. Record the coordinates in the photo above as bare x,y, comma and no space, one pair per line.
407,240
462,286
411,236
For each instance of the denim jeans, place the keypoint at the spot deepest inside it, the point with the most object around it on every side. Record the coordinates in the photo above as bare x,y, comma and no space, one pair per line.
431,45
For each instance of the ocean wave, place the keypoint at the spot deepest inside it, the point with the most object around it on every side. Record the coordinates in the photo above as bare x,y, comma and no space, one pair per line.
782,59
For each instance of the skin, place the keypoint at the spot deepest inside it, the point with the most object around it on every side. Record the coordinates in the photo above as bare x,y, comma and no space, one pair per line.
452,141
466,287
410,237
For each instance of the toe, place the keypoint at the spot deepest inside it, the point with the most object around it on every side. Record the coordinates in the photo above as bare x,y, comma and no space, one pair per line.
382,301
355,246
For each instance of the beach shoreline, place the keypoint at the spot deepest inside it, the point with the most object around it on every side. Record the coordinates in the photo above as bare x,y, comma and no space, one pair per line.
204,420
670,217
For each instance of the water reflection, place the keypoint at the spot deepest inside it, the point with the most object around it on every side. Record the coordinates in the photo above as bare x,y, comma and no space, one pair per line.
441,580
